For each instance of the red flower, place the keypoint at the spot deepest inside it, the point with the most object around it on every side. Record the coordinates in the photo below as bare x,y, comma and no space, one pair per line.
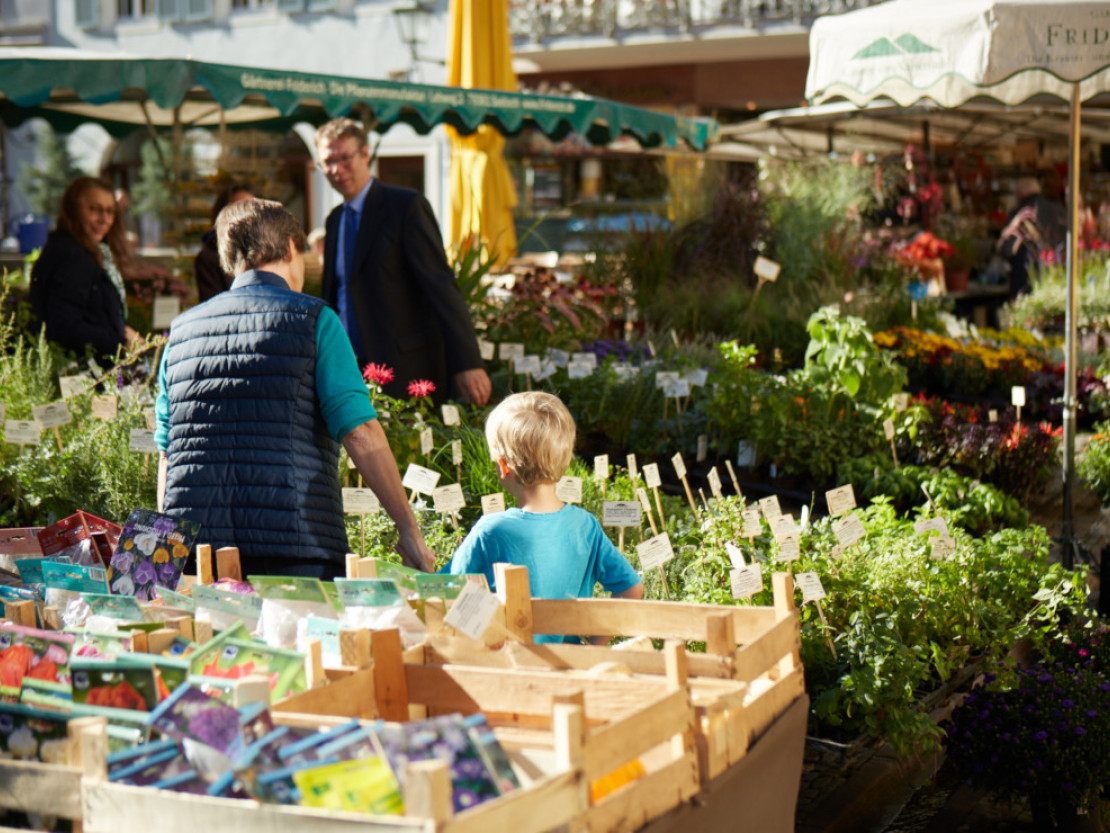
421,387
379,374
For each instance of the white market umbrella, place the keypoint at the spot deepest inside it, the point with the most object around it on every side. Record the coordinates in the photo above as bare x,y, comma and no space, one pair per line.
954,51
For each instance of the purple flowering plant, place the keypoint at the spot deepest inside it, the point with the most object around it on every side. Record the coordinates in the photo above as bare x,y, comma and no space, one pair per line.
1042,733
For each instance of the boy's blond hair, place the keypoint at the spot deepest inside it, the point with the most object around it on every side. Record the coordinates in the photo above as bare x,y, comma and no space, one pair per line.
534,433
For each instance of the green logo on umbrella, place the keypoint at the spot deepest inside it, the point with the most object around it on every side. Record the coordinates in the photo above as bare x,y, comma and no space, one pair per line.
902,45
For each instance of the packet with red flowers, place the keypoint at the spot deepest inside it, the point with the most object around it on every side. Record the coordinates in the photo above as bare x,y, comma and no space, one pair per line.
35,654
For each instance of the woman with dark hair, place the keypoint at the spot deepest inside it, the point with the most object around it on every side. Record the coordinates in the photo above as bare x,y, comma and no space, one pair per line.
76,284
211,278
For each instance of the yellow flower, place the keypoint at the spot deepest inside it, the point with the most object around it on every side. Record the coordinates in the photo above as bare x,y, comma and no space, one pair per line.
161,555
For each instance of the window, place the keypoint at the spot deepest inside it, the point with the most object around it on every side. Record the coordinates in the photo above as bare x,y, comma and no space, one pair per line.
252,4
133,9
87,13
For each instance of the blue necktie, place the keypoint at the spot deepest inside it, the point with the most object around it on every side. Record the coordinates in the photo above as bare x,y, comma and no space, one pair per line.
348,236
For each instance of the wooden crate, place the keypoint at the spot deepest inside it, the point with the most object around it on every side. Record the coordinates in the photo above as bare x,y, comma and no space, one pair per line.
748,676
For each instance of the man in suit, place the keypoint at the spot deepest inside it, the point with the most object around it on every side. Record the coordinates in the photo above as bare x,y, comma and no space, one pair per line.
386,274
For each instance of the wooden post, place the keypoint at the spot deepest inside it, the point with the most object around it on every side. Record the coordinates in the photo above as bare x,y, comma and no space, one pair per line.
515,595
50,618
428,791
227,563
160,640
352,565
434,611
314,664
139,643
21,613
87,748
254,688
674,658
720,633
782,585
391,690
569,724
354,647
204,564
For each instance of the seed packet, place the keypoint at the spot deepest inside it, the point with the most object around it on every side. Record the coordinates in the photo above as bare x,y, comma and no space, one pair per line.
100,644
30,569
365,785
151,552
224,608
64,537
30,734
279,786
142,765
376,604
191,714
175,601
308,748
445,738
444,585
122,608
233,658
119,683
30,652
285,601
494,757
261,756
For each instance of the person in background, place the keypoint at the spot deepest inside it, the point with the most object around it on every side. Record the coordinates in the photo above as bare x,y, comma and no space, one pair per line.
386,274
257,388
77,290
1036,226
316,241
210,278
531,440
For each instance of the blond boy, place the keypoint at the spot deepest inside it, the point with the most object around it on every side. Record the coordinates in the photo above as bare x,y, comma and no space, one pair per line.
531,440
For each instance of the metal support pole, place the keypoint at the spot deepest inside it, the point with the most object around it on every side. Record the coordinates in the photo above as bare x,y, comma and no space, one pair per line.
1070,324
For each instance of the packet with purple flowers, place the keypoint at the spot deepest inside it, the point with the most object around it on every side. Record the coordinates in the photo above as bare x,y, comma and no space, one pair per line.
151,552
190,714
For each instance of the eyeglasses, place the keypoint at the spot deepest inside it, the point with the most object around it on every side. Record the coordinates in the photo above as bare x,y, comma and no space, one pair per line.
340,160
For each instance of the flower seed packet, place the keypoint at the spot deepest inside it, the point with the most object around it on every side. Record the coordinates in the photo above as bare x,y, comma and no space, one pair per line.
30,734
30,652
191,714
119,683
233,658
494,757
151,552
363,785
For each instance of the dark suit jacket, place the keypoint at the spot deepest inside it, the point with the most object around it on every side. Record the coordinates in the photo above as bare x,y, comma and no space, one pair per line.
411,314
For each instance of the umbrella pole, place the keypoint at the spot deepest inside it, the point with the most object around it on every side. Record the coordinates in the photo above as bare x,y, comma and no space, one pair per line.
1070,403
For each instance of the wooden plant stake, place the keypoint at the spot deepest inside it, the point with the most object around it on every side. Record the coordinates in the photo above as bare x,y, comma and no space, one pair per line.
58,435
888,430
732,474
704,502
204,564
646,504
825,622
680,470
227,563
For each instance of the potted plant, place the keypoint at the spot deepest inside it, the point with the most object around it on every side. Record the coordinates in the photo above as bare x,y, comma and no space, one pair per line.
959,264
1042,733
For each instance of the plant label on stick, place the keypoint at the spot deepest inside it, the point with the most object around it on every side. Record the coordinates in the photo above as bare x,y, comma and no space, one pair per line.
419,479
621,513
811,587
510,351
142,439
784,526
1017,396
52,415
770,508
901,401
753,526
546,371
655,552
645,502
676,389
105,406
486,349
491,504
72,386
942,548
559,358
674,337
630,462
166,309
579,370
456,452
836,553
527,365
937,525
584,357
841,501
601,467
888,428
766,269
714,479
992,415
696,377
663,378
651,475
789,548
360,501
703,447
426,441
735,554
745,454
450,414
745,582
569,489
448,499
679,466
22,431
848,530
472,611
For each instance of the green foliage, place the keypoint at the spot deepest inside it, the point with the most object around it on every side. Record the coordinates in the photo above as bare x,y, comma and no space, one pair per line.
152,194
842,357
1045,305
1094,465
43,184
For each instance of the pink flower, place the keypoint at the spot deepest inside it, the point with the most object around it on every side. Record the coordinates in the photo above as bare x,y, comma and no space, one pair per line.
421,387
379,374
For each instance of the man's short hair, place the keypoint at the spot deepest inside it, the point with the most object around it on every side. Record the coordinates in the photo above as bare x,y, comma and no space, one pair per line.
534,433
343,128
252,233
1027,186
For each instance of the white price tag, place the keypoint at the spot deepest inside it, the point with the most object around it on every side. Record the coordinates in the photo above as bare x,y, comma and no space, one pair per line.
105,406
655,552
812,589
752,524
546,371
745,454
420,480
473,610
450,414
1017,396
703,447
937,525
559,358
783,526
714,479
888,428
166,309
579,370
642,496
651,475
766,269
448,498
663,378
735,554
789,548
569,489
678,389
585,357
679,465
601,467
72,386
697,377
621,513
486,349
992,415
360,501
770,508
493,503
527,364
848,530
745,582
841,501
426,441
22,431
142,439
510,351
901,401
630,462
52,415
456,452
941,548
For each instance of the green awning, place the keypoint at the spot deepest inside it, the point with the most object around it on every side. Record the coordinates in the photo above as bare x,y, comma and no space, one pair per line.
69,87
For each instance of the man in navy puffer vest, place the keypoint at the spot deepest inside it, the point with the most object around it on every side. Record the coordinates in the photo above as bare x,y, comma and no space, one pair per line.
258,386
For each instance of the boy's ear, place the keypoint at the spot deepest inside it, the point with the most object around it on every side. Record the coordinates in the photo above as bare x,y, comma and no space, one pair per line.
502,467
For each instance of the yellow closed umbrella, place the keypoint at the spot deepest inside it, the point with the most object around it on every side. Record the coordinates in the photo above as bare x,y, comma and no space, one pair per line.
479,55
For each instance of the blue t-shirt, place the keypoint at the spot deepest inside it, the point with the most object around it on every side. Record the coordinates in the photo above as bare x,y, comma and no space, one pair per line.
342,394
566,553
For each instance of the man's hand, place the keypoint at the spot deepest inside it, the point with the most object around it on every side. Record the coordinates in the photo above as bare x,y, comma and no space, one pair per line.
474,386
414,551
